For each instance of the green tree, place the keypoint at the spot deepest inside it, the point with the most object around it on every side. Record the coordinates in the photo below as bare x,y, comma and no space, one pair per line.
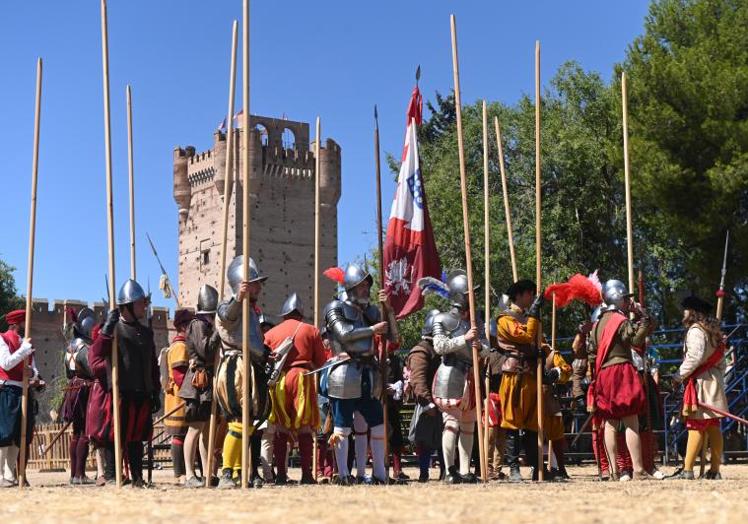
9,299
689,145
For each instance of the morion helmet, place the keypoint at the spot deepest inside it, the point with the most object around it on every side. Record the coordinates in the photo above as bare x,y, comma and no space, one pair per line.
207,299
292,303
130,292
235,273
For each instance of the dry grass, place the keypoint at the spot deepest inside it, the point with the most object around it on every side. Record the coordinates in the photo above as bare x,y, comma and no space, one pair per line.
582,500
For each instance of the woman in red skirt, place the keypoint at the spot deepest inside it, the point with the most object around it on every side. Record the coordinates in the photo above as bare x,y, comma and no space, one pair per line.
616,393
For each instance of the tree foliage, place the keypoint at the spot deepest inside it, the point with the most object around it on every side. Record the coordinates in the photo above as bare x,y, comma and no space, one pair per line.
9,299
688,103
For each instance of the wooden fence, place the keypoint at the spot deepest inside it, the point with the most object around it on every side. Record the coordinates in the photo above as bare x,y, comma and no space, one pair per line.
58,458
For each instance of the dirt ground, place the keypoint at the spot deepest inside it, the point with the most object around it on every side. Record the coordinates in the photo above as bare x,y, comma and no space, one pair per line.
581,500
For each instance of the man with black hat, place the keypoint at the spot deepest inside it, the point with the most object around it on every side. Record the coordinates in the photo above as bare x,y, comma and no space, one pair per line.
517,335
14,349
197,389
703,373
297,348
174,361
139,381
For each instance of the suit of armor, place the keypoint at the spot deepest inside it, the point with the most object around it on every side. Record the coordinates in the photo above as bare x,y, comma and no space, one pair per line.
356,384
453,390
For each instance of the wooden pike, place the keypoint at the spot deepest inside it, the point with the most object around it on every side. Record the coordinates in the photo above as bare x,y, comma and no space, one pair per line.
380,257
468,252
486,282
505,193
317,208
110,229
131,178
538,261
228,183
30,276
246,454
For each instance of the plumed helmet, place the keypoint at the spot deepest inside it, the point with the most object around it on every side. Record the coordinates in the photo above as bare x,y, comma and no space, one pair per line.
236,272
86,320
207,299
130,292
354,275
615,295
457,283
428,324
292,303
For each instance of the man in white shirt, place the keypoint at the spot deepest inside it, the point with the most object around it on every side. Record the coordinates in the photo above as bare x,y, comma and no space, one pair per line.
14,349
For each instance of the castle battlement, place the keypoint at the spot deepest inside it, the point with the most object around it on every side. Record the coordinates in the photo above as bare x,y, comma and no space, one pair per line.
282,208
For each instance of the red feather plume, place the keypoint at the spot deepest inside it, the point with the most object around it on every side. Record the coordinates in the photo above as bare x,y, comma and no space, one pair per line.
334,273
578,287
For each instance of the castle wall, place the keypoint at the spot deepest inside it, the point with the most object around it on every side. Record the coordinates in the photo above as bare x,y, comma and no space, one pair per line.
49,344
282,213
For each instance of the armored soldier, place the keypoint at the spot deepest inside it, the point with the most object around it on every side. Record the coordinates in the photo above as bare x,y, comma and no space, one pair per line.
517,335
139,381
454,391
616,394
355,384
75,401
196,390
229,384
426,425
297,347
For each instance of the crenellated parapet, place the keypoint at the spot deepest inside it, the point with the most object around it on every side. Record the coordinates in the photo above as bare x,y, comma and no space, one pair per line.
282,175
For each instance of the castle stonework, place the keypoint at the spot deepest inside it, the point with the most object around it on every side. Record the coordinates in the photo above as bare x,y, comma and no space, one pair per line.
282,179
46,334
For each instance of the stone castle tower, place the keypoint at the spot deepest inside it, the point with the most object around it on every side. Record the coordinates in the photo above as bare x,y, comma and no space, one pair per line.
282,211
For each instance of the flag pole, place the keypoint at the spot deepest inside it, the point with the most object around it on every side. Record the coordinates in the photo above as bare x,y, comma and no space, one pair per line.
227,186
110,237
505,193
380,255
538,262
246,454
466,229
131,177
30,276
627,183
317,207
486,281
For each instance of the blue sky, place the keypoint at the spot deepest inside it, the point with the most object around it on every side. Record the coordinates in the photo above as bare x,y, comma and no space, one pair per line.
335,59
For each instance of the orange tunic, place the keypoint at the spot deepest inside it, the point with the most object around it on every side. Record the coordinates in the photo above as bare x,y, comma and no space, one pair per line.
294,395
518,391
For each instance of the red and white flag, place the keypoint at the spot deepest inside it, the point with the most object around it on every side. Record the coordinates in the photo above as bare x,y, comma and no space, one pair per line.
409,248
